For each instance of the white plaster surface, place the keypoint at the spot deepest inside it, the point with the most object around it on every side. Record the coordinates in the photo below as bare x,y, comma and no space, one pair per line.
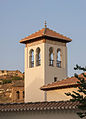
59,114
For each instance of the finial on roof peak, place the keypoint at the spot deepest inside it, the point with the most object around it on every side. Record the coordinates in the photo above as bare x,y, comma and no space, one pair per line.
45,24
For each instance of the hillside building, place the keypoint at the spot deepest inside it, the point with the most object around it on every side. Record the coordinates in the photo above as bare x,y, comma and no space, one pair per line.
11,73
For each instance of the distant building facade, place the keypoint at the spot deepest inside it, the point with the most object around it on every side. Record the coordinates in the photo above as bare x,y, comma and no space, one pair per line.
18,92
12,92
11,73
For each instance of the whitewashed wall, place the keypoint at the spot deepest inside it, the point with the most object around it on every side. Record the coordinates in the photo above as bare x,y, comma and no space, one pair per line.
55,114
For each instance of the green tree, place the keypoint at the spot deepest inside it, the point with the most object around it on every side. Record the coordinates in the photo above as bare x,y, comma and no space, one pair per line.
16,78
80,94
5,81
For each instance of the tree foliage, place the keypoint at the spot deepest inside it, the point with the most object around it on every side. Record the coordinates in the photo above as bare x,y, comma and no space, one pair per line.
5,81
80,95
16,78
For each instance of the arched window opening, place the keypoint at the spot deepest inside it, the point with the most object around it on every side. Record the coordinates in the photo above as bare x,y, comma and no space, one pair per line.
58,60
23,94
51,61
31,58
38,57
17,94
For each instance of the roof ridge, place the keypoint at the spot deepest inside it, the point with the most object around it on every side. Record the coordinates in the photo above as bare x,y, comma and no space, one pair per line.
33,33
58,33
18,103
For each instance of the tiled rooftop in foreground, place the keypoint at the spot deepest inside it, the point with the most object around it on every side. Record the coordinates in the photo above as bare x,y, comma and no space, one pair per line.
61,105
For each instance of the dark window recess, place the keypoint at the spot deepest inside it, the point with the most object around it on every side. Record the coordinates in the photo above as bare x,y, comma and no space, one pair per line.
32,63
38,57
55,79
23,94
17,94
31,58
38,62
51,62
59,58
58,64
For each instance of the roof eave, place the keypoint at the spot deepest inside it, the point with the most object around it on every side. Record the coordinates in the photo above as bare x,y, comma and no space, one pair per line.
58,87
24,41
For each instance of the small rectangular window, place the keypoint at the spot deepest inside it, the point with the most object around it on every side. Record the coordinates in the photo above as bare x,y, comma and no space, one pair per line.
55,79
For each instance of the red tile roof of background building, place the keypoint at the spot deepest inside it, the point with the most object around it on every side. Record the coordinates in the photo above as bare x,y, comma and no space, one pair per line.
65,83
45,32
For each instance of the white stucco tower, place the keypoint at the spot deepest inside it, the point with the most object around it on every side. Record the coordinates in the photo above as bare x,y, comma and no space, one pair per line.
45,62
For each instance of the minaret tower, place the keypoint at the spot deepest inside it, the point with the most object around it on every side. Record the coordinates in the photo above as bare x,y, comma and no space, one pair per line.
45,61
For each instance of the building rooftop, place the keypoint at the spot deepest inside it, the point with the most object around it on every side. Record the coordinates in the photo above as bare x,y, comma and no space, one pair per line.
18,83
46,33
62,105
65,83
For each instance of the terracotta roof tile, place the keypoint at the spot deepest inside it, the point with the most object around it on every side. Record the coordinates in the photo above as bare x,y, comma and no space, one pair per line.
69,82
39,106
45,32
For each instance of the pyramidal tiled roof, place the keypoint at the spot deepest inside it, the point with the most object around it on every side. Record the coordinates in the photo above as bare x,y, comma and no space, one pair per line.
46,32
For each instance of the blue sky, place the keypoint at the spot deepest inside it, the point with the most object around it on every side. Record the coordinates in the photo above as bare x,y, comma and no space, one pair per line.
20,18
